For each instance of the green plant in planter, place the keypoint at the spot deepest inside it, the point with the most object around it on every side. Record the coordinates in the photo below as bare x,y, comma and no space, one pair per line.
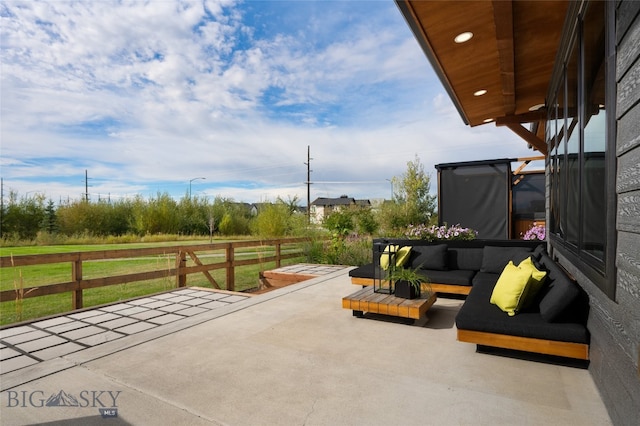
408,282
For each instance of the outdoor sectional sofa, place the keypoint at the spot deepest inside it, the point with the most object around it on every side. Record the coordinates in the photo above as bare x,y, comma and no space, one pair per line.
553,323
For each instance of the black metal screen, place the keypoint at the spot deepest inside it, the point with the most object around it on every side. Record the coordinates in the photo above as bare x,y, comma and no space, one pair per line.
476,195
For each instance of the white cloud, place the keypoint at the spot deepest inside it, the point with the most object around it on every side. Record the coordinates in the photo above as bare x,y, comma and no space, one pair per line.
148,95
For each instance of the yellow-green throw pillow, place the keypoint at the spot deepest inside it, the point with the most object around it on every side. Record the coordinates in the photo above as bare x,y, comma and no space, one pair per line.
387,256
394,254
511,288
402,256
536,281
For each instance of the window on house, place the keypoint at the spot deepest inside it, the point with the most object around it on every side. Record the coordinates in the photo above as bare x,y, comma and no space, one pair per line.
581,139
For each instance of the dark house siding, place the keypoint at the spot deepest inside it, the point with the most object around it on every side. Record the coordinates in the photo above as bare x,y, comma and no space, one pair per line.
615,324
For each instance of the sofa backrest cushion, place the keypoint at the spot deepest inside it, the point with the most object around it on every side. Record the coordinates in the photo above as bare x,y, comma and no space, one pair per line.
539,251
468,259
494,258
429,257
561,291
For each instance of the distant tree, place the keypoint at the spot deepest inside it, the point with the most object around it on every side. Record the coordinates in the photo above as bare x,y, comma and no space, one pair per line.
193,216
366,222
23,216
412,203
234,224
291,203
340,222
50,224
272,220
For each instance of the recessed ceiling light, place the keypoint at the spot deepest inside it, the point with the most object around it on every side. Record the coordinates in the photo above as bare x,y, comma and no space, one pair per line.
463,37
536,107
487,120
480,92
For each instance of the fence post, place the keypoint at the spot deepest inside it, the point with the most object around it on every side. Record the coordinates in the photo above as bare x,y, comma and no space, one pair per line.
76,276
181,263
231,274
278,254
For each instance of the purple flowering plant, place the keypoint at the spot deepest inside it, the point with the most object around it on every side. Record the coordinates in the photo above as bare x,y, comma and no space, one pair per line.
536,232
436,233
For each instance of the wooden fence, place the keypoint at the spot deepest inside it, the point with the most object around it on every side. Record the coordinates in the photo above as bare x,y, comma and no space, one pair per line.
180,270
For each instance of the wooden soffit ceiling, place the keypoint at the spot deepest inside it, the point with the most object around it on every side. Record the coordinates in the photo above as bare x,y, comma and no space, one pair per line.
511,54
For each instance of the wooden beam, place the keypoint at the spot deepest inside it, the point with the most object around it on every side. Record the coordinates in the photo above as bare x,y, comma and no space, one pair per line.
529,137
197,261
525,163
527,117
503,18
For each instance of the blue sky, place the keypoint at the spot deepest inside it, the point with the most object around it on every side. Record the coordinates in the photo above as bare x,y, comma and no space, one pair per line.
147,96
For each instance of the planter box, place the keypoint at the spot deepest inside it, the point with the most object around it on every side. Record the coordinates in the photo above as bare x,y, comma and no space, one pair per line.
405,290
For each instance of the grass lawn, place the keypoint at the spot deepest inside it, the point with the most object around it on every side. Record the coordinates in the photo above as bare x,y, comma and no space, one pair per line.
22,278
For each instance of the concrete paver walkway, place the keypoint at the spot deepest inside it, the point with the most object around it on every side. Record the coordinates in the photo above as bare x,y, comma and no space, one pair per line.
39,341
293,356
52,338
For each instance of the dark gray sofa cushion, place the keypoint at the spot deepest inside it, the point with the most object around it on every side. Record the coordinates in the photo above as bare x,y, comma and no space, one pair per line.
429,257
465,258
365,271
478,314
486,278
539,251
495,258
559,294
457,277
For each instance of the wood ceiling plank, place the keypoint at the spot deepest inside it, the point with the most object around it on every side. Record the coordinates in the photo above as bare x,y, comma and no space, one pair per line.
511,54
503,17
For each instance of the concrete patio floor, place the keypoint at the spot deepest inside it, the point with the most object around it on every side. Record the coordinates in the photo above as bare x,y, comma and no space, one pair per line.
293,356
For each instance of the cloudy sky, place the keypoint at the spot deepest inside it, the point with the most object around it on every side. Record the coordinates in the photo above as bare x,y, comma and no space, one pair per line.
148,96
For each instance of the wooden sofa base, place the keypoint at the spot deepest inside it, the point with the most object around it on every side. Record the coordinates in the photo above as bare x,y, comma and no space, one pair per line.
437,288
527,344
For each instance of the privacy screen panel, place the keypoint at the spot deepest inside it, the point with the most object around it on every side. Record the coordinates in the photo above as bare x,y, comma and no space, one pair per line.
476,197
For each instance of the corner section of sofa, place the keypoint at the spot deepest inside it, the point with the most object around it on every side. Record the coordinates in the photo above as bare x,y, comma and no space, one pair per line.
564,334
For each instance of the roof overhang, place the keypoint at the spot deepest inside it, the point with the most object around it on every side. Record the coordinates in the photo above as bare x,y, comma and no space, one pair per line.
510,56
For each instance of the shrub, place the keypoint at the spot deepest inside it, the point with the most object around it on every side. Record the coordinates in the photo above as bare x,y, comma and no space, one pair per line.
357,251
536,232
437,233
272,221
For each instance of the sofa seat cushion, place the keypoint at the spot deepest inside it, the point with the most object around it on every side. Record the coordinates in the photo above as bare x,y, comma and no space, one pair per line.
485,278
458,277
365,271
478,314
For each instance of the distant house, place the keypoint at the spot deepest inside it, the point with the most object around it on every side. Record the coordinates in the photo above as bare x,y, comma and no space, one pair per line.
322,207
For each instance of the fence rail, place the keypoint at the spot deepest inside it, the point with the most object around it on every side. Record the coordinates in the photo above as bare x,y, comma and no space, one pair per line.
180,270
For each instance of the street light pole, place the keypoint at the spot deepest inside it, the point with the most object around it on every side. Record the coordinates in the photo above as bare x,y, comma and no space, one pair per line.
191,180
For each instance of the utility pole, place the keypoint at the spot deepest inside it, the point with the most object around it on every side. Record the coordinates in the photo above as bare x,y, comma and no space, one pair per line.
86,185
308,182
